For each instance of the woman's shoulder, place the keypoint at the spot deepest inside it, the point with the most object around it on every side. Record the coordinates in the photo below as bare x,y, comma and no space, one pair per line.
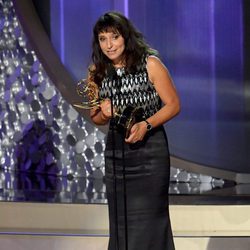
155,67
154,61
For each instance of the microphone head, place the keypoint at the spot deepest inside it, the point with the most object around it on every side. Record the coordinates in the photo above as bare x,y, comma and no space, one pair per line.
111,72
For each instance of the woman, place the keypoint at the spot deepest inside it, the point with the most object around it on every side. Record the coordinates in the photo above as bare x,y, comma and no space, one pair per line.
139,219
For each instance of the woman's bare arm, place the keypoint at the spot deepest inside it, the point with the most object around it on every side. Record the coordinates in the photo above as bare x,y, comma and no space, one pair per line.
160,77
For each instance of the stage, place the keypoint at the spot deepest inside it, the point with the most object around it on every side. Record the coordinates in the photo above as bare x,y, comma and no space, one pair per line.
74,216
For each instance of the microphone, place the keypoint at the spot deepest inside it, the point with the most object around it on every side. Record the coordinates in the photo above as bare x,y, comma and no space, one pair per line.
111,73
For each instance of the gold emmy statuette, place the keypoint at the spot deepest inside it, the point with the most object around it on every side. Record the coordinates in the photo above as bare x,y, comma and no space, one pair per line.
87,90
123,122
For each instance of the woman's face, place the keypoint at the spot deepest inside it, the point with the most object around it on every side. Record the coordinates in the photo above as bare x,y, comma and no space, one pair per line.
112,45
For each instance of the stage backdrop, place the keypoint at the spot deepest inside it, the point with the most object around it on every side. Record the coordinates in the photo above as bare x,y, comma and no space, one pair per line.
202,44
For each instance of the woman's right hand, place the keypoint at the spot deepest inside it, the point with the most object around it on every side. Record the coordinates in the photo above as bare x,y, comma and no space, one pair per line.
106,108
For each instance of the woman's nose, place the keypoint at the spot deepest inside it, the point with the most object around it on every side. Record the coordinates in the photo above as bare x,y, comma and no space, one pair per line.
109,43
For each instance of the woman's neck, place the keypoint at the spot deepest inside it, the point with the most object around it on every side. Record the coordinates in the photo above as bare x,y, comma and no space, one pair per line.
119,64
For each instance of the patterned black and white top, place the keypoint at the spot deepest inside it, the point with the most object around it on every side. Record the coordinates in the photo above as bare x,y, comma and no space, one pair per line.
134,89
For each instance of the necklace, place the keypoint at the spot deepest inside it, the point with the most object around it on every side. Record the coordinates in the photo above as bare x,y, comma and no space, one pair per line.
120,71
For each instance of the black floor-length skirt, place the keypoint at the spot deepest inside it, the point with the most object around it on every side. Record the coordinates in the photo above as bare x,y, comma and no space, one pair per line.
147,170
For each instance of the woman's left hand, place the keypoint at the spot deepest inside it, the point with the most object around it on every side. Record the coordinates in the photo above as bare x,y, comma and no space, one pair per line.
137,132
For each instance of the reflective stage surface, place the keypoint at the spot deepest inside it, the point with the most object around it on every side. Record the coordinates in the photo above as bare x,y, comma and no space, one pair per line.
21,187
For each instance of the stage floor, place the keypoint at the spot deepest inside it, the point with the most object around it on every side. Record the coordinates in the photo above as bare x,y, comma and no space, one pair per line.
71,213
68,190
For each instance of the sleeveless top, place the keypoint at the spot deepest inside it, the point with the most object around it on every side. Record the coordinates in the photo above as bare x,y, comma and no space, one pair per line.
131,89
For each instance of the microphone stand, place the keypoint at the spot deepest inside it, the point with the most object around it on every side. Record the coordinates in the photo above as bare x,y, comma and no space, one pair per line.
112,123
114,75
125,196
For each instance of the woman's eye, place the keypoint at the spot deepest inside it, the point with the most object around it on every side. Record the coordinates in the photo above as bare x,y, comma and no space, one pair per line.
101,39
115,37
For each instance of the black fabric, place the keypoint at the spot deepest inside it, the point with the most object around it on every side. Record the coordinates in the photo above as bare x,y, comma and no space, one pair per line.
147,170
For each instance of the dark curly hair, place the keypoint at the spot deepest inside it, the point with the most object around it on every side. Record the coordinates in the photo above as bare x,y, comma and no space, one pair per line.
135,45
